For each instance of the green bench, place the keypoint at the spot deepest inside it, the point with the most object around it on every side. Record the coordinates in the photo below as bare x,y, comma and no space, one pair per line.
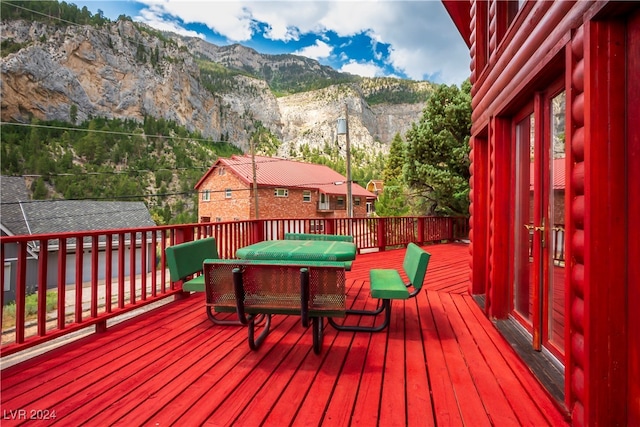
185,264
387,285
185,261
309,236
251,288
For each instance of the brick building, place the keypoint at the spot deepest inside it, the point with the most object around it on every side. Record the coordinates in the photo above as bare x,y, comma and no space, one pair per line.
286,189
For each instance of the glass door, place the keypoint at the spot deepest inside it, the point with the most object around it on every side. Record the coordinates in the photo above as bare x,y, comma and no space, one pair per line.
538,221
554,214
523,267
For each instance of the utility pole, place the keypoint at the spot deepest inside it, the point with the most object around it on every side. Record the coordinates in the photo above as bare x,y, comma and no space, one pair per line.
255,179
343,128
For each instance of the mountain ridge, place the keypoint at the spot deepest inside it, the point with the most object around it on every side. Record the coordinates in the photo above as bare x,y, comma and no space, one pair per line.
128,70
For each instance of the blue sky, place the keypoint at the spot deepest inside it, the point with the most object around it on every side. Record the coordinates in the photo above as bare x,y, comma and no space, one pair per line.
408,39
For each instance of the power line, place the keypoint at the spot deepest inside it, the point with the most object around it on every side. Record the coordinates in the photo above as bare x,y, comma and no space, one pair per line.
110,132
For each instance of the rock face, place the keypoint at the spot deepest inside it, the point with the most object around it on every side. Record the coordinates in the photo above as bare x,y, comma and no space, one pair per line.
125,70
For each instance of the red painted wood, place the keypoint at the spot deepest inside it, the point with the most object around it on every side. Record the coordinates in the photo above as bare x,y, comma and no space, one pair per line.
172,365
605,191
633,206
479,219
341,404
502,206
42,291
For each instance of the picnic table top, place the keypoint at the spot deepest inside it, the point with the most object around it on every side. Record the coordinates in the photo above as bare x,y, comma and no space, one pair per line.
299,250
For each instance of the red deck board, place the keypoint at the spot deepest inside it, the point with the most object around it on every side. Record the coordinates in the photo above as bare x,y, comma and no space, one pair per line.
440,362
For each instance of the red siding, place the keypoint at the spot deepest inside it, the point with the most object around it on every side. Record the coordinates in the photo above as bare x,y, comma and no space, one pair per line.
592,45
575,352
633,194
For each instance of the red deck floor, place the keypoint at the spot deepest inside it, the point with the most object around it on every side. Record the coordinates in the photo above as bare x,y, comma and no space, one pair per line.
441,362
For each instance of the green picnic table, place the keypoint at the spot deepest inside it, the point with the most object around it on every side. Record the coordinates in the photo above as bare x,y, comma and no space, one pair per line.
299,250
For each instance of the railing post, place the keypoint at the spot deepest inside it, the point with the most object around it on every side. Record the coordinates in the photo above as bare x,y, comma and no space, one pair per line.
382,234
420,230
183,234
21,291
258,231
330,226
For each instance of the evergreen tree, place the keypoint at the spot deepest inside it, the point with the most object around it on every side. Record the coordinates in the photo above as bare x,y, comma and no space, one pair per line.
437,167
396,160
393,200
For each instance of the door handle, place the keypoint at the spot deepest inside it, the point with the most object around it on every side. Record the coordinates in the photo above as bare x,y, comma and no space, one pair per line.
538,228
529,227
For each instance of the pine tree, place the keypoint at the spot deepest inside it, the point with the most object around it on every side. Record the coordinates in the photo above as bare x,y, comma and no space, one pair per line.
437,167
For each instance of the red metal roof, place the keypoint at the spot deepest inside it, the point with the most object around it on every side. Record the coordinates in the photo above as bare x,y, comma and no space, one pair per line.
559,180
279,172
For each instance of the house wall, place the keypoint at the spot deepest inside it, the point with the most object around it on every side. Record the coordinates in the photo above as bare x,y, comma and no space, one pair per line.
585,45
222,208
241,204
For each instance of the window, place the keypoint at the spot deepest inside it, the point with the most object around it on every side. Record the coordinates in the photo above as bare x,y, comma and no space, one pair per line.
306,196
340,201
205,219
356,201
227,193
281,192
206,195
316,226
221,171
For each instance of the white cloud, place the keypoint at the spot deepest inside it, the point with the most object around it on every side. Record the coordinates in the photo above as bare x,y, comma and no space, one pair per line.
424,41
152,18
316,51
364,69
231,19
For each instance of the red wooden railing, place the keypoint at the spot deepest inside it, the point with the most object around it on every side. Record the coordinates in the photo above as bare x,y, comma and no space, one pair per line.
96,276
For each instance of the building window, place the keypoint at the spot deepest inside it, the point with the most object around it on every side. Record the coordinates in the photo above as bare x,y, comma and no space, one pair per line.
218,219
340,201
227,193
206,195
205,219
306,196
316,226
281,192
356,201
221,171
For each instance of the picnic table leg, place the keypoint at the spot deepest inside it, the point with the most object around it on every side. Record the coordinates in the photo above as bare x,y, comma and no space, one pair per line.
386,307
236,322
255,344
304,296
317,326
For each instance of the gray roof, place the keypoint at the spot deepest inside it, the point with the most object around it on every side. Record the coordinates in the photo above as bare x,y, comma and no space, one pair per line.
23,216
13,190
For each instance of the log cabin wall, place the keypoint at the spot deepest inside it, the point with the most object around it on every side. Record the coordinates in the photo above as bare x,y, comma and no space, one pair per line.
633,206
575,199
587,44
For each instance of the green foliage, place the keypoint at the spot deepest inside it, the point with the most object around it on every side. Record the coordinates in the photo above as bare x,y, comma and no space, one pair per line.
393,200
264,142
8,46
113,160
59,14
31,308
437,167
365,166
395,161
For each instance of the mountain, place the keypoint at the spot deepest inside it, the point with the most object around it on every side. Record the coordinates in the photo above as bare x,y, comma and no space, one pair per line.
52,70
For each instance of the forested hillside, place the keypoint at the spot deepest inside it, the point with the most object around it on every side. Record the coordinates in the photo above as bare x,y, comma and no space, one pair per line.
156,161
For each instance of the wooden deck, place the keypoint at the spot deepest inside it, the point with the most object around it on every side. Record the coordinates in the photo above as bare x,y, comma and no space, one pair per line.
441,362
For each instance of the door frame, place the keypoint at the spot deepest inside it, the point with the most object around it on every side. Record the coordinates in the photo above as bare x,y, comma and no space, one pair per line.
540,107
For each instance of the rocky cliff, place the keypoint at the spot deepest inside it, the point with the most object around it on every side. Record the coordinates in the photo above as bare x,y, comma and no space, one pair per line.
127,70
